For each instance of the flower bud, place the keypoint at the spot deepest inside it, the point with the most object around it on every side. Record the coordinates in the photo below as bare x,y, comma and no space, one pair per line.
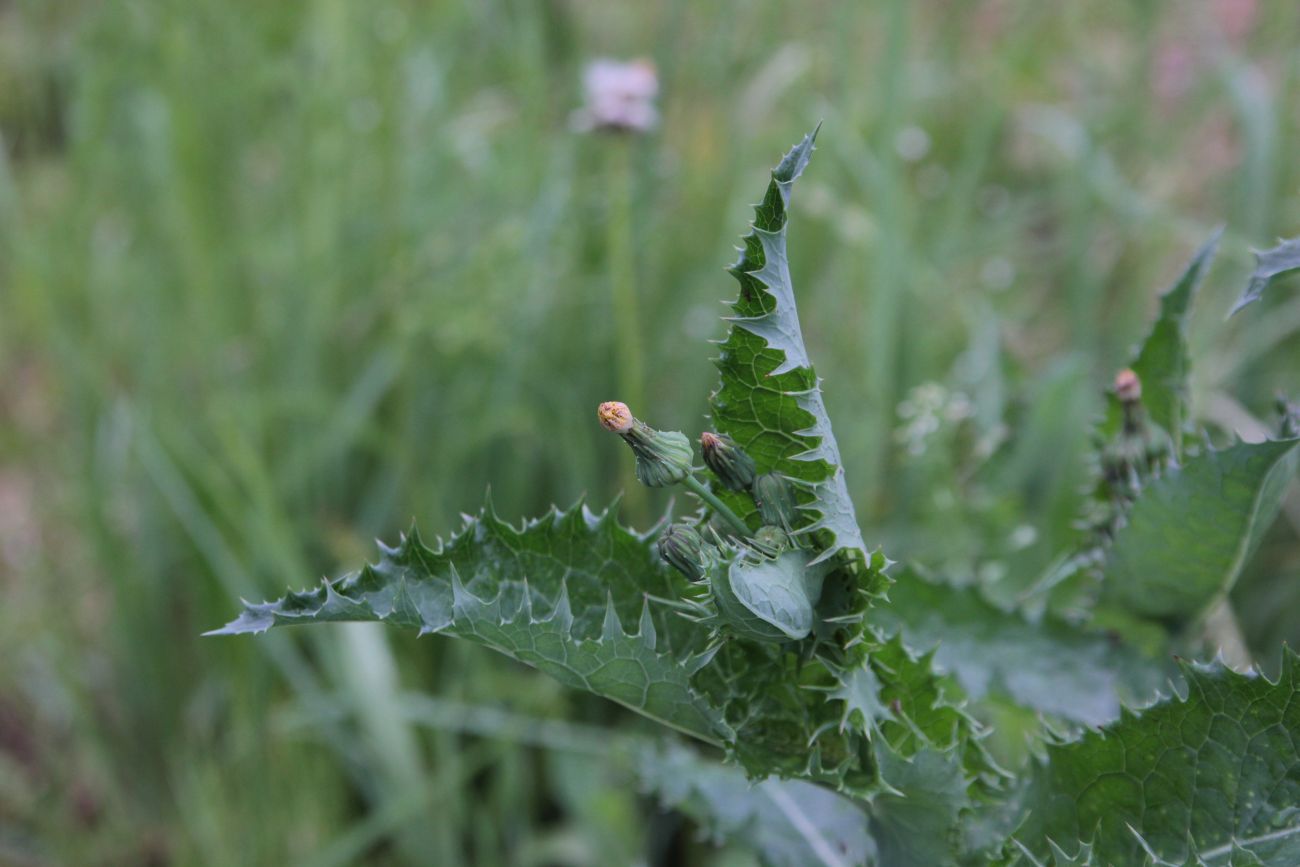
730,464
1128,388
615,417
771,540
774,496
662,457
686,551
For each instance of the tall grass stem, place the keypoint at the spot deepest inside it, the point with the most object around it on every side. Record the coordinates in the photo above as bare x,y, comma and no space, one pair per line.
629,359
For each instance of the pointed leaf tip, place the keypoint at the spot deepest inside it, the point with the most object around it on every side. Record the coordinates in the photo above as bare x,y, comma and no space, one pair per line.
612,627
646,628
796,159
1270,265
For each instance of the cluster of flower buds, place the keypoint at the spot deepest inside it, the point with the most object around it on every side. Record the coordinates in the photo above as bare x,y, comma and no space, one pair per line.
1141,449
664,458
759,584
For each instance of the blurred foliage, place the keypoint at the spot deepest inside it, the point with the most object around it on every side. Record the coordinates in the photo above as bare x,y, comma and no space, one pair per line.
275,278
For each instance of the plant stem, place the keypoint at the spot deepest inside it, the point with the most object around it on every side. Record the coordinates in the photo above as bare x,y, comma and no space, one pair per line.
696,487
628,357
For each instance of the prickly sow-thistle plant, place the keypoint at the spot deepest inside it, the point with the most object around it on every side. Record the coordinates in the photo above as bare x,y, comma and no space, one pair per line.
760,625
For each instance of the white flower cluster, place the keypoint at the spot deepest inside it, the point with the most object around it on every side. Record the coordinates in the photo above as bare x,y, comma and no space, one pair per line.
924,412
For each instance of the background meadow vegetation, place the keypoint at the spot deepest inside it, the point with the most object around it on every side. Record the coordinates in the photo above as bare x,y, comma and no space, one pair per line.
276,279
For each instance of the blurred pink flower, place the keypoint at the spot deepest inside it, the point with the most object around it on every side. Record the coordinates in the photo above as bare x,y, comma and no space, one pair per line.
620,97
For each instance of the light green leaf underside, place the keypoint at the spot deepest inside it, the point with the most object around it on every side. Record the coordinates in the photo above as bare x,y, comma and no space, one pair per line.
769,400
1049,666
1192,530
1269,265
796,824
1162,362
565,594
1214,776
786,823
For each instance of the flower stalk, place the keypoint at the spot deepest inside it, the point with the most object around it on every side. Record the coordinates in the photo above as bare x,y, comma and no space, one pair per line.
696,487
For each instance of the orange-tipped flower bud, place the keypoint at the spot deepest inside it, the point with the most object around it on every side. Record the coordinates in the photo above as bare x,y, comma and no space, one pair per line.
662,457
730,464
615,417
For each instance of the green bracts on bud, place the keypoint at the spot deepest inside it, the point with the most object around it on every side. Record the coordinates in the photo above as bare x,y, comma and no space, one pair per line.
771,540
687,552
1141,448
663,458
774,496
729,463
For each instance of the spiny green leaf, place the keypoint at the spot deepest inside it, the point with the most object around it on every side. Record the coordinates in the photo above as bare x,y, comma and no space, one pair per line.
918,824
786,823
1192,530
554,593
1162,362
1049,666
1212,775
567,594
769,400
1058,857
817,719
1269,265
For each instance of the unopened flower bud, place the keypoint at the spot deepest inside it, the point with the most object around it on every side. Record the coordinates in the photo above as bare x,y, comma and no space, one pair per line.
686,551
1128,388
771,540
730,464
662,457
774,496
615,416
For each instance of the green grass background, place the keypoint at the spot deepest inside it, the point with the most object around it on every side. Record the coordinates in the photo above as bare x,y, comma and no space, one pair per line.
277,278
